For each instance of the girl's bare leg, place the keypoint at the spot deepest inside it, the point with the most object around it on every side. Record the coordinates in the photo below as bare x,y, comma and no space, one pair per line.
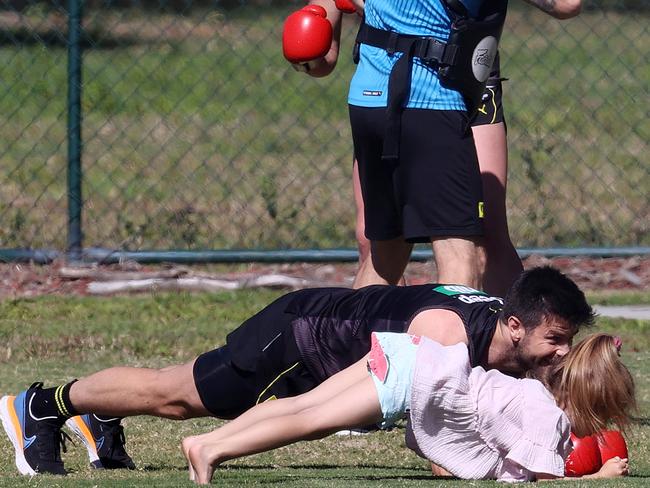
356,406
284,406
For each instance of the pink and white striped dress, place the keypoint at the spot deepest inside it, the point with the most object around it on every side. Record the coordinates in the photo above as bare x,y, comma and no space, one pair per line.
480,424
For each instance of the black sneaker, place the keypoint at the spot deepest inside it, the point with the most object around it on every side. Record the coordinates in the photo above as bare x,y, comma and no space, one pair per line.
37,441
104,440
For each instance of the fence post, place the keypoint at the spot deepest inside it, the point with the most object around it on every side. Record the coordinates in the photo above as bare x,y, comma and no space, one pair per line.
74,129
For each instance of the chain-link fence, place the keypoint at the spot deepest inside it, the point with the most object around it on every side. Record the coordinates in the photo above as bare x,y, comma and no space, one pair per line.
197,135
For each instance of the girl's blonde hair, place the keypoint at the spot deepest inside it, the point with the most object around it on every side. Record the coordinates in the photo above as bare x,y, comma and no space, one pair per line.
593,386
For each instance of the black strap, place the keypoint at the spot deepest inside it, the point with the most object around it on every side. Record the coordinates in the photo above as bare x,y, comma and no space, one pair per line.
399,87
430,50
456,8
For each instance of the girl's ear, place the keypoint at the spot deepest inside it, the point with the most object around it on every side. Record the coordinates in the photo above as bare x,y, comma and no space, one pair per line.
515,329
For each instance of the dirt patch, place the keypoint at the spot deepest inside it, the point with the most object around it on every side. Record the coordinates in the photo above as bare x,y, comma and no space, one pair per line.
28,280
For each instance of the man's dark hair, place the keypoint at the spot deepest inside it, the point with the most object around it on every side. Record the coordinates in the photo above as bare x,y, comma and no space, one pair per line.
544,292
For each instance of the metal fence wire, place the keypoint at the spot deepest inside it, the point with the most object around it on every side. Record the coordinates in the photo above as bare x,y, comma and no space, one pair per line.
196,134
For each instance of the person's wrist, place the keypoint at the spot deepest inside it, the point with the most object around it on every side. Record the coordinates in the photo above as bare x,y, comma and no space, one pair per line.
301,67
317,68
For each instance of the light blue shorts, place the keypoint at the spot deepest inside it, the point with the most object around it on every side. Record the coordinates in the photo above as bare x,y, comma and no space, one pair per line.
391,364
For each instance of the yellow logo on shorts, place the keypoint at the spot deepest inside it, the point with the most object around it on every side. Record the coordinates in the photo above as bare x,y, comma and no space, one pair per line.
481,213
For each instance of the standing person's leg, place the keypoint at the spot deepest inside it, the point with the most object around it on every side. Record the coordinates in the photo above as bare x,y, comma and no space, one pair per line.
389,253
386,263
366,273
431,194
363,244
457,261
441,193
501,261
501,264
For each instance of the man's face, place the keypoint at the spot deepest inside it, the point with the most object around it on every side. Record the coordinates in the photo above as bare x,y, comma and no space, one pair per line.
544,345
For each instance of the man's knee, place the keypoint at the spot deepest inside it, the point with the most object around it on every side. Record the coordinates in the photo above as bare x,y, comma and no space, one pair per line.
363,244
390,257
458,260
174,393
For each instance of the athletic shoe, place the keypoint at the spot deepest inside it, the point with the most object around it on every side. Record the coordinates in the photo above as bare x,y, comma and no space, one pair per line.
104,441
351,432
37,441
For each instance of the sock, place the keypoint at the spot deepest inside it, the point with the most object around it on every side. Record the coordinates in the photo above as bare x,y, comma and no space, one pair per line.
108,420
53,402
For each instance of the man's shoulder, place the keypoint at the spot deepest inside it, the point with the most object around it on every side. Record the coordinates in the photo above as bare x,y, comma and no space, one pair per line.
439,324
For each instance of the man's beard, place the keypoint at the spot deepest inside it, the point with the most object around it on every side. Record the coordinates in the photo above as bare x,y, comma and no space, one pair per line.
534,367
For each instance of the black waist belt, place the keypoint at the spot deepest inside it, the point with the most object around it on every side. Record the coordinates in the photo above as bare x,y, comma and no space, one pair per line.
430,50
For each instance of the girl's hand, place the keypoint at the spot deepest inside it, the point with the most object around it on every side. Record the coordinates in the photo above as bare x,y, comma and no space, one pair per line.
612,468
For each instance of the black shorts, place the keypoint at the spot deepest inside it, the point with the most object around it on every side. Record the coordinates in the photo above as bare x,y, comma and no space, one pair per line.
433,189
260,361
491,109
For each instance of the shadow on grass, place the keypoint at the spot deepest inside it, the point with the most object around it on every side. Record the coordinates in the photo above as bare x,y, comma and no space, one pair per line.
272,474
154,468
242,467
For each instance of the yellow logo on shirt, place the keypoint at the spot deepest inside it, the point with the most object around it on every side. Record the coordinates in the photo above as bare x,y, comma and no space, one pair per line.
480,210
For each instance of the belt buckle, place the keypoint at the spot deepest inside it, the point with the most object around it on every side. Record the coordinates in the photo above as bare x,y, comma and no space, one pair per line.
429,51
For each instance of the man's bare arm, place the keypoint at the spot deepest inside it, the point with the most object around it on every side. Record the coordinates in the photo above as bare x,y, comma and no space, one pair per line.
560,9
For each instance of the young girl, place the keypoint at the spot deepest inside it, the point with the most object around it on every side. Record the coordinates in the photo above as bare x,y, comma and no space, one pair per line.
476,424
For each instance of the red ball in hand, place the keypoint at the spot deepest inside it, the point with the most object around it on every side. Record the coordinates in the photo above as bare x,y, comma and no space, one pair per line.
307,34
585,457
611,443
345,6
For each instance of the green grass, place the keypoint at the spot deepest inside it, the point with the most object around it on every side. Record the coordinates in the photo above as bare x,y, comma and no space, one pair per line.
171,327
618,297
55,339
197,134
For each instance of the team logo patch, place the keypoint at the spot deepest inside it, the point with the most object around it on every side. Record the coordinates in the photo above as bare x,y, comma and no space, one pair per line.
466,294
483,58
452,290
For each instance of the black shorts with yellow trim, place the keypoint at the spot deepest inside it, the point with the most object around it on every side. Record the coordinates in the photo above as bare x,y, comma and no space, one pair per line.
260,362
